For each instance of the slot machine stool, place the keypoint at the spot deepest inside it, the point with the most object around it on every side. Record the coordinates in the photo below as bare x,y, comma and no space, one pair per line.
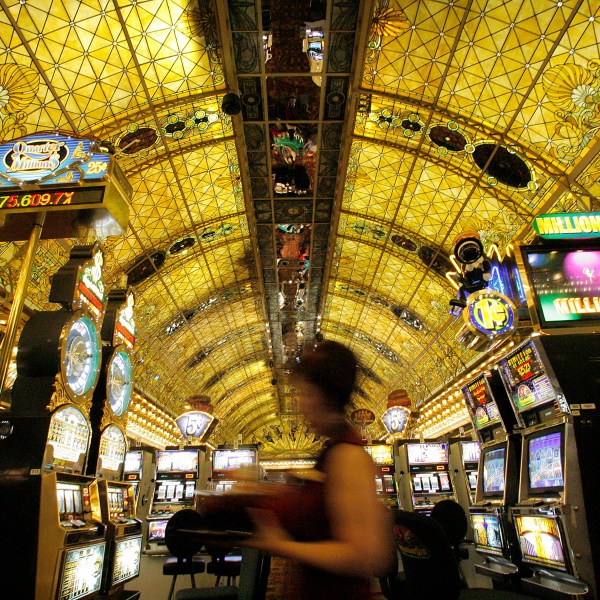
183,561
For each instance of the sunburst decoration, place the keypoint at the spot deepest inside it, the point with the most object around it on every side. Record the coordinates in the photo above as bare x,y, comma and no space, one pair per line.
389,22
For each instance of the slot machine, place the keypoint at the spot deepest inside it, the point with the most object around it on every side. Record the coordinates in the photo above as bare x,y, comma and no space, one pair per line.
226,461
385,482
497,483
464,466
177,478
552,513
52,515
139,472
424,475
123,537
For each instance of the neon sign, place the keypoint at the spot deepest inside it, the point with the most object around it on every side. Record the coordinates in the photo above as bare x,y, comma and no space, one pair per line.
490,313
395,419
567,225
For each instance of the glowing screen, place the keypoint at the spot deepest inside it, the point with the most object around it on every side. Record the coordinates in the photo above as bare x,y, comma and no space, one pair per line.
539,540
493,470
545,461
486,529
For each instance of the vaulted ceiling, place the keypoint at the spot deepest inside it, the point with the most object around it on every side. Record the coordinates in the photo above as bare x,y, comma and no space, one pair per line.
328,204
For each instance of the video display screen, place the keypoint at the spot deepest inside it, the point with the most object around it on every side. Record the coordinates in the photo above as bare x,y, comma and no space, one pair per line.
427,453
493,470
82,571
540,540
156,530
472,478
128,554
525,377
565,284
133,461
545,462
481,402
487,533
180,461
382,454
471,451
229,460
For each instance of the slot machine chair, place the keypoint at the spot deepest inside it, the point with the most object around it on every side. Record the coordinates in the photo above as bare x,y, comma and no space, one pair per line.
430,566
451,516
253,578
183,549
223,563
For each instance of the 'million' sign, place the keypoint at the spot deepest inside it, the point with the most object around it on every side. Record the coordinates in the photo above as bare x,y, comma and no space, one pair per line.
567,225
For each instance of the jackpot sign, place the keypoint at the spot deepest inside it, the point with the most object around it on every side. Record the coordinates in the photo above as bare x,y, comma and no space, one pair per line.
490,314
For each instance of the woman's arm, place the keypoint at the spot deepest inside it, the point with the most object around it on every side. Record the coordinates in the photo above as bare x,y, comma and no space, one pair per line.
361,541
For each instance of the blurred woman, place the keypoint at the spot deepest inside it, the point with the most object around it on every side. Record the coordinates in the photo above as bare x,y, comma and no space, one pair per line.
334,529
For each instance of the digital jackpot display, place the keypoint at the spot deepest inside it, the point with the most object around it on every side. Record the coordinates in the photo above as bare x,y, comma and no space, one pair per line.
52,199
481,402
565,284
526,378
427,453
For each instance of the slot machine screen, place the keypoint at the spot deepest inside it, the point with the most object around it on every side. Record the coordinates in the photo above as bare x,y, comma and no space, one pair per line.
540,541
128,553
481,403
494,462
471,452
487,532
133,461
382,454
81,573
156,530
472,478
225,461
427,453
564,283
379,485
177,461
525,377
545,462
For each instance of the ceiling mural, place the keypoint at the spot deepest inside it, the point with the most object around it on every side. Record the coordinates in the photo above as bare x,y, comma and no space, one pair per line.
300,171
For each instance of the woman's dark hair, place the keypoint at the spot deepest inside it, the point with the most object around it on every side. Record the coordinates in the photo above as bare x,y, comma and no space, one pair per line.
332,369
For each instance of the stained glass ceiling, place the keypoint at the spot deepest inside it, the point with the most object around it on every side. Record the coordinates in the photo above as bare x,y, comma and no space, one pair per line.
369,134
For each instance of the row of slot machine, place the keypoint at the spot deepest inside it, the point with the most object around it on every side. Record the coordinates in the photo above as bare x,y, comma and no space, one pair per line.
533,518
527,482
69,524
182,476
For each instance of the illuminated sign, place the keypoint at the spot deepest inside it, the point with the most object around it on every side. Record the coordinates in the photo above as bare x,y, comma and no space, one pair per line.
27,201
362,416
194,423
565,284
125,323
567,225
395,419
490,313
481,402
49,159
91,284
